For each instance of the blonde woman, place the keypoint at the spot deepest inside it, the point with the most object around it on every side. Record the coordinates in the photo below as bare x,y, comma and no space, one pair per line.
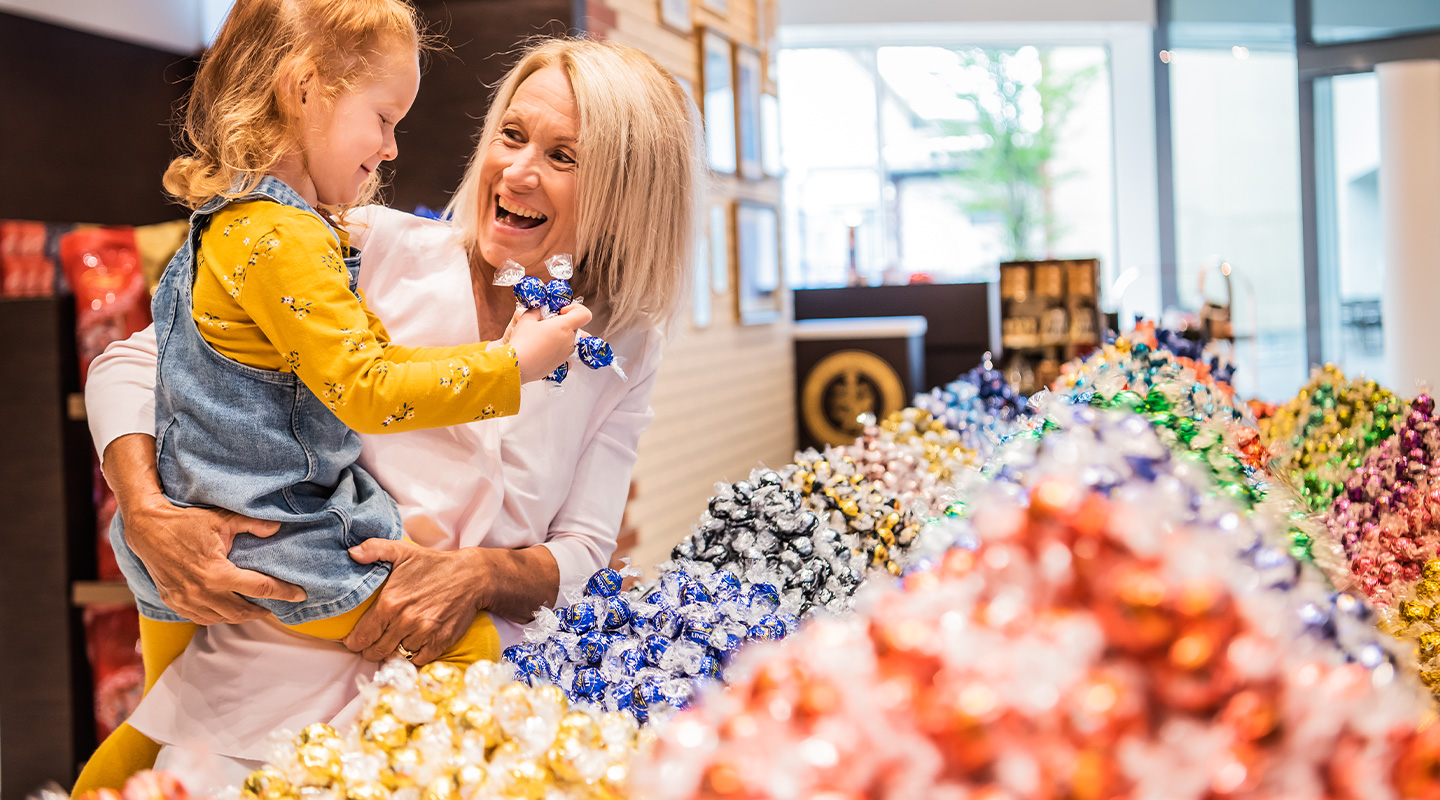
589,148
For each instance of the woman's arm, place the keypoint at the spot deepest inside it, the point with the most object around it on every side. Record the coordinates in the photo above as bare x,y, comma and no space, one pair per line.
120,390
432,596
185,549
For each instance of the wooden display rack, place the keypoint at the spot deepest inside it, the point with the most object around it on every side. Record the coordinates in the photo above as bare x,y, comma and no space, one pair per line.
1049,314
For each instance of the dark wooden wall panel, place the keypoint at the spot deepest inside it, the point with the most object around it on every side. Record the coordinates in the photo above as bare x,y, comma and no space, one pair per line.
45,715
84,135
439,134
89,133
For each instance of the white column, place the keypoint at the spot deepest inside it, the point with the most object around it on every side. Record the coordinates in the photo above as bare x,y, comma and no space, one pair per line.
1410,208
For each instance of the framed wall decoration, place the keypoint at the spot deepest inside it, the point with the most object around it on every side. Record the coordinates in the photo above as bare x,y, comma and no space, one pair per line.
747,110
721,7
770,135
719,233
717,100
676,14
765,17
757,256
700,309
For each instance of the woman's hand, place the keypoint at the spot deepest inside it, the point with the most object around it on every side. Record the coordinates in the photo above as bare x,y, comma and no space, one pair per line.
426,605
186,550
432,597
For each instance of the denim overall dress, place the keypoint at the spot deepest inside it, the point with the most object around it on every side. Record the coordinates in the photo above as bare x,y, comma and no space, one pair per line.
259,443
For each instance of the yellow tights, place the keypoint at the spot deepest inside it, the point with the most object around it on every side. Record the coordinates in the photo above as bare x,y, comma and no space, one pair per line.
127,751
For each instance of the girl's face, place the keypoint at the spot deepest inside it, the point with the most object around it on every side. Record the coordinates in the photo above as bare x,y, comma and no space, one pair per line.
346,142
527,175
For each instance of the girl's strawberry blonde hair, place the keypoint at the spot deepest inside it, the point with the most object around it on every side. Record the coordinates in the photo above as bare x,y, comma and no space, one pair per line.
241,116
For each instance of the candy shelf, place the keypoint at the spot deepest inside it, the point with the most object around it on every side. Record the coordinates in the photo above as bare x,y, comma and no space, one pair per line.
101,593
1049,314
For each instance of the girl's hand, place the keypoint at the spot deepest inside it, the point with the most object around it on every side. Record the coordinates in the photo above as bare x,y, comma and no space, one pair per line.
429,601
541,345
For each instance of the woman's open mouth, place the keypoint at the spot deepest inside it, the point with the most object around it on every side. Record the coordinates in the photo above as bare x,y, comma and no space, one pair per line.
515,215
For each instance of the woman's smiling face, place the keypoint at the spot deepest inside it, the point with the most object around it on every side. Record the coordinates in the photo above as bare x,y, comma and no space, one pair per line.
527,176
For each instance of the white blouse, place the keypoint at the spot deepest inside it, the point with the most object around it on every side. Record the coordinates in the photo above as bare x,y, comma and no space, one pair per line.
557,474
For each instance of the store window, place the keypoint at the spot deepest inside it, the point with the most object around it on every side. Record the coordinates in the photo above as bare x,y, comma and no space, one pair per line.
1236,166
938,162
1333,21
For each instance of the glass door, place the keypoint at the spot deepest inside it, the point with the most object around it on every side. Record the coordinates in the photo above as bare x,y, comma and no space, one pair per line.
1352,262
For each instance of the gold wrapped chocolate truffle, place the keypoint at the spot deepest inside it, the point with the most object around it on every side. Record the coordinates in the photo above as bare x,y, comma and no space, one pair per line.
267,783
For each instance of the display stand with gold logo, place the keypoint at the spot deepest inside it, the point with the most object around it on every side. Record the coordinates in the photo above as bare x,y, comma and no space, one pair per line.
846,368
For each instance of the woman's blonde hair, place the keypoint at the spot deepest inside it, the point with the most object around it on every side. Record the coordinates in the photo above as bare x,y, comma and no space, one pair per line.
242,115
637,178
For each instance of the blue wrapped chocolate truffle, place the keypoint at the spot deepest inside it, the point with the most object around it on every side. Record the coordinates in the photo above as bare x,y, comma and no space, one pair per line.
578,618
558,295
665,622
727,586
591,647
709,667
654,648
529,292
588,684
646,693
594,352
631,660
533,667
764,597
698,630
768,629
694,592
605,583
617,613
558,375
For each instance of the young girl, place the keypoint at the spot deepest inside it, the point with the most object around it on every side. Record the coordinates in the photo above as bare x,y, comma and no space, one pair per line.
269,361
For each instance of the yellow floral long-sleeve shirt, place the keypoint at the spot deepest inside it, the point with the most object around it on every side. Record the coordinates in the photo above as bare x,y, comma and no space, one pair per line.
272,292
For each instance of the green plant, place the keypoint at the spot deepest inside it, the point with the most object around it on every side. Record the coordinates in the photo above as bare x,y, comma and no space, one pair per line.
1020,118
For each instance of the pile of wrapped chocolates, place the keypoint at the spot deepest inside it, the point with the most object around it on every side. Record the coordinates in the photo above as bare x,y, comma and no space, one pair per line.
1088,648
756,562
1384,520
981,406
1196,350
1213,443
882,517
1384,525
1139,367
1190,403
761,530
886,490
1322,435
438,733
1126,458
940,447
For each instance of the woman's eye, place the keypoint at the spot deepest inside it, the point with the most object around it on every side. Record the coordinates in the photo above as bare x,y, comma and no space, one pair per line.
563,157
510,133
